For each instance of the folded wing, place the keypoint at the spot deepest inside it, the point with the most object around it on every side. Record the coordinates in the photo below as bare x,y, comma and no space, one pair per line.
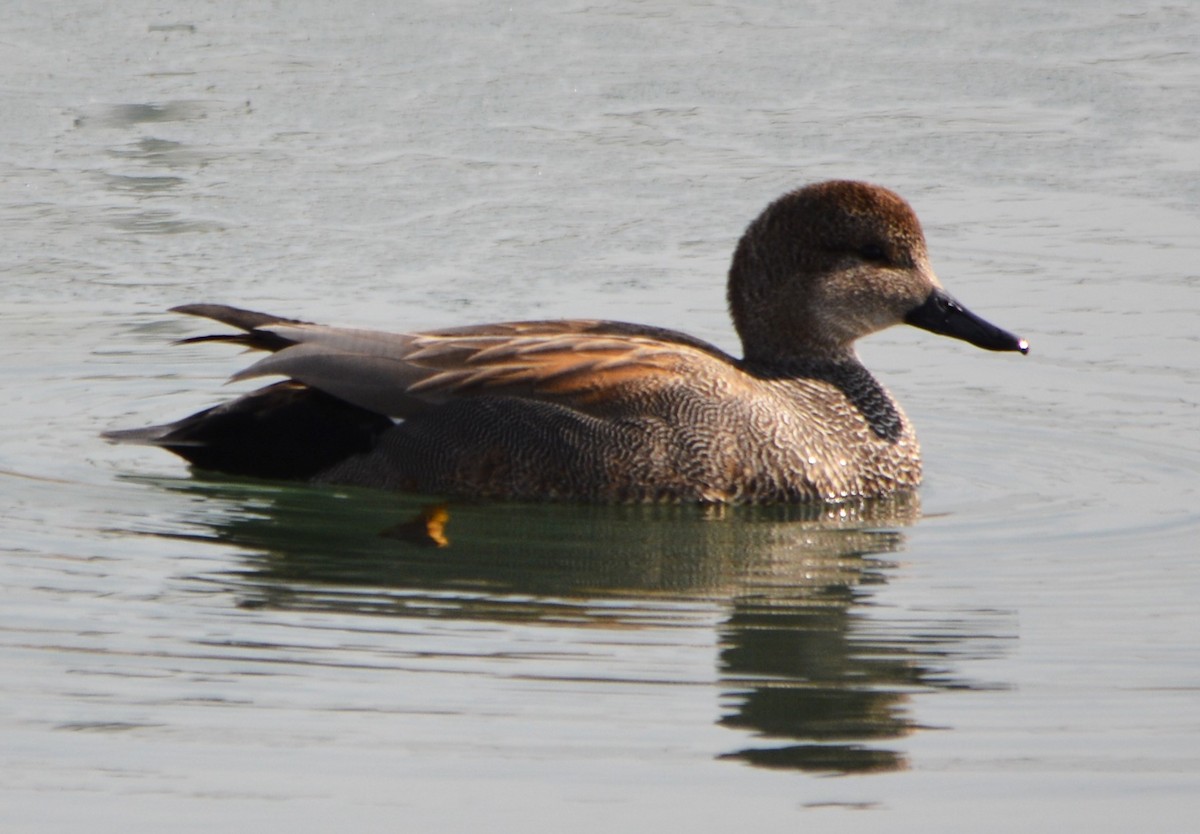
594,366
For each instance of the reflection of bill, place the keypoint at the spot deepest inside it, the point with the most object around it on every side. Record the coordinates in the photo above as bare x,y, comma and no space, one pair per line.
811,673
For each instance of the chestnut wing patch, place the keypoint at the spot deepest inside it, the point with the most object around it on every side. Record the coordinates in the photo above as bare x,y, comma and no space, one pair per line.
596,367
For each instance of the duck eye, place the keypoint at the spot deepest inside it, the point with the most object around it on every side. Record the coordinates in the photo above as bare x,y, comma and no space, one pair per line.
873,252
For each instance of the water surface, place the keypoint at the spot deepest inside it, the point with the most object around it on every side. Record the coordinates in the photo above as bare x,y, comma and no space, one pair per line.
1015,646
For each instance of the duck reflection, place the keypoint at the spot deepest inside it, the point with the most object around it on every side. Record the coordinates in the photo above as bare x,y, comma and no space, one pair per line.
807,675
795,672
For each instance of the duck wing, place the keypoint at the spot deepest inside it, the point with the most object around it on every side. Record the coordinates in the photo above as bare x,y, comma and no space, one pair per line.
598,367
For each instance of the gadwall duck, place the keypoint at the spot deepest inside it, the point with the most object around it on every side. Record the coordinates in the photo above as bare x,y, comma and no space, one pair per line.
607,411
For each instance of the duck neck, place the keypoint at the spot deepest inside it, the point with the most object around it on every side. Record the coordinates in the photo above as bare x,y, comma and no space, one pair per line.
786,360
852,380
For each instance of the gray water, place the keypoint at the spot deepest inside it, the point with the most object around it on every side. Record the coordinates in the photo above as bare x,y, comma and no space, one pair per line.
1016,651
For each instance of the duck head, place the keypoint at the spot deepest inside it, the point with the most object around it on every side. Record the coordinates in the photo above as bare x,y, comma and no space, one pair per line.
829,263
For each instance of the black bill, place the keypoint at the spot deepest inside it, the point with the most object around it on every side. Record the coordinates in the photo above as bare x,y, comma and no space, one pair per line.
940,313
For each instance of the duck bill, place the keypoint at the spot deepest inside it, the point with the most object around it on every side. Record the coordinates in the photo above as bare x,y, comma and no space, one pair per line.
941,314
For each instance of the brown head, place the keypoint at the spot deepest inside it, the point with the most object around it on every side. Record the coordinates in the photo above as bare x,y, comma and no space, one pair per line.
829,263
